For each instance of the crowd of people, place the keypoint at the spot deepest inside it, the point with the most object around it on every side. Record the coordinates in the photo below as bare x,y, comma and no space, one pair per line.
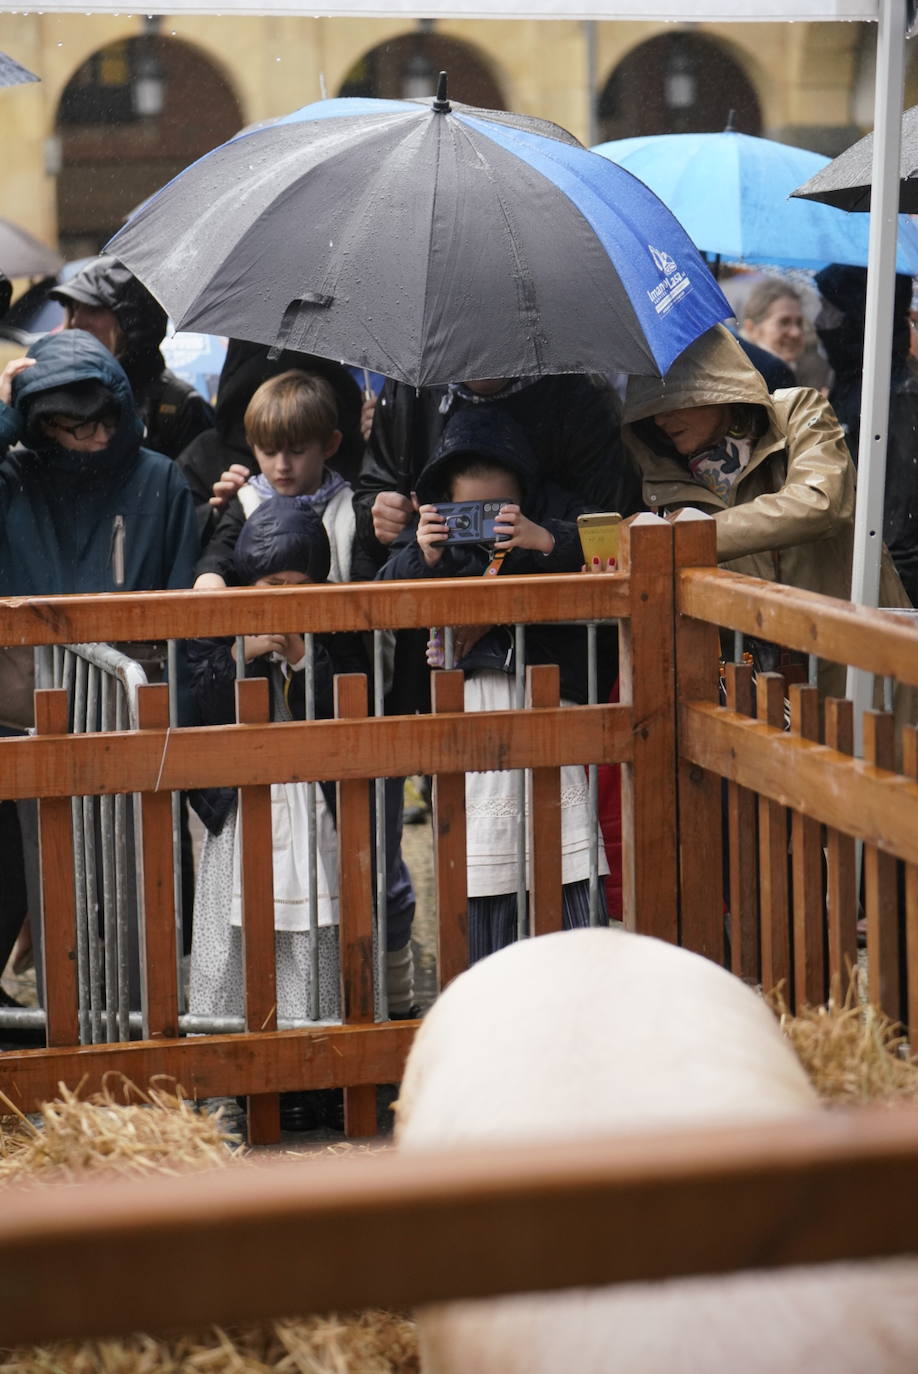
115,475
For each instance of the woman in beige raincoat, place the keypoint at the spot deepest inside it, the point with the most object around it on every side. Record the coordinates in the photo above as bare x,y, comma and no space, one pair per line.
772,469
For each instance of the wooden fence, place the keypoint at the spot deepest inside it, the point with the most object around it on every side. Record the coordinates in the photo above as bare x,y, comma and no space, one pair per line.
795,803
352,749
792,808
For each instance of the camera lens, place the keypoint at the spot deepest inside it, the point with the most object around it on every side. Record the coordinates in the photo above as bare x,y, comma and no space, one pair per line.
462,522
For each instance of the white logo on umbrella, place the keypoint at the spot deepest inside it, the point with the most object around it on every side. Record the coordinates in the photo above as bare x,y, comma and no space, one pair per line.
673,286
663,261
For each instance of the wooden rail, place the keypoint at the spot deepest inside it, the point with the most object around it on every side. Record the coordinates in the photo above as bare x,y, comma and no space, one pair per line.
311,1237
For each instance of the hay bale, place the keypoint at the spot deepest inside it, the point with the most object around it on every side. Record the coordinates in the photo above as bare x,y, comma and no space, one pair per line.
144,1133
124,1132
852,1053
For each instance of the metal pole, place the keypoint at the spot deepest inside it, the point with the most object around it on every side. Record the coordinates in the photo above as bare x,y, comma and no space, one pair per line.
881,266
589,46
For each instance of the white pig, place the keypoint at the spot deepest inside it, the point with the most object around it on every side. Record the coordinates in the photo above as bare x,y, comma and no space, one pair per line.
593,1031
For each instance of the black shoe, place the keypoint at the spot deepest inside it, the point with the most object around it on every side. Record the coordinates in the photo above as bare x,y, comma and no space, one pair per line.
414,1013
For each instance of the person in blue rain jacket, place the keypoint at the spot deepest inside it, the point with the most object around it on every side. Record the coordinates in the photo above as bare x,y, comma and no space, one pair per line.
83,506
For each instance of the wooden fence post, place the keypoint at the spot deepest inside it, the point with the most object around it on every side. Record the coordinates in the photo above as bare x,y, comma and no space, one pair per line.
806,863
742,832
157,942
700,813
880,885
355,869
450,868
650,895
841,896
58,894
774,904
258,939
543,688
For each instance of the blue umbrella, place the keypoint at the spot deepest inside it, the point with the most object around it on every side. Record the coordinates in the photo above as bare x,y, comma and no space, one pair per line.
730,192
427,241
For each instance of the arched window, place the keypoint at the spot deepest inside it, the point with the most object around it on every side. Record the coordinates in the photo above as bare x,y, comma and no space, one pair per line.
406,68
677,83
134,115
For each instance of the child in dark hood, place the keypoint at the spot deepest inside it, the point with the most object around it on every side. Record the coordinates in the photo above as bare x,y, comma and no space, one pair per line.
485,456
281,545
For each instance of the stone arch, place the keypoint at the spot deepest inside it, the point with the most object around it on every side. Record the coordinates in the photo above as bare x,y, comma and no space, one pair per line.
119,141
408,65
674,83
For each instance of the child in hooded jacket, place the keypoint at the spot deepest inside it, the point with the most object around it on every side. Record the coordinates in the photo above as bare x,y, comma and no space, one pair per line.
484,455
281,545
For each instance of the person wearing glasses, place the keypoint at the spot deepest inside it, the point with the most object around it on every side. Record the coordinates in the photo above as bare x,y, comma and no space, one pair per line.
83,508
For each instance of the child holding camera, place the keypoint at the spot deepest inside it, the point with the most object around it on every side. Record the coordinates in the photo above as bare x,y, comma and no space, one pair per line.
521,526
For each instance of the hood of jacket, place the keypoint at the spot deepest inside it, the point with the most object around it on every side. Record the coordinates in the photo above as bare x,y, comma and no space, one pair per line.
845,288
107,282
714,370
486,432
61,360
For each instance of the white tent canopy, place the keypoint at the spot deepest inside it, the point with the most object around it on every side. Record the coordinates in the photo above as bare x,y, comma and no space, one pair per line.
715,11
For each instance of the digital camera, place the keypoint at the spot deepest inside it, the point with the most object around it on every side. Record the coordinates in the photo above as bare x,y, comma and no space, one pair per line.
470,522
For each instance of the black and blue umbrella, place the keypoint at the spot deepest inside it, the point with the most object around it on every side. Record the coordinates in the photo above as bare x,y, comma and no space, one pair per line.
428,241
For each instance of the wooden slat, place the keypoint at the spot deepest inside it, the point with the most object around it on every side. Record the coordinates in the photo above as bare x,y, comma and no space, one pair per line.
773,887
237,1246
218,1065
58,897
355,879
742,819
450,863
258,956
355,606
806,859
841,896
236,755
878,641
650,872
697,679
158,943
543,688
910,769
869,803
880,889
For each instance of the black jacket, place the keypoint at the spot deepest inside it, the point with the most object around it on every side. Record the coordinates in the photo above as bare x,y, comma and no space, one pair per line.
556,510
213,684
846,289
572,423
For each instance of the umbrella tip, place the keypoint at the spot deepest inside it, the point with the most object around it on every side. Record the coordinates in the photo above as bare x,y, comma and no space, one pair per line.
730,127
441,104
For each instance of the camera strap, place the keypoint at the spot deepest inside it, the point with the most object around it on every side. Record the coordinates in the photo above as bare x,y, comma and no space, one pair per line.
494,566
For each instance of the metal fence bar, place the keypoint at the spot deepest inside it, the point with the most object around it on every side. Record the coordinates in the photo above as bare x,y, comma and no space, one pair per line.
79,859
177,877
593,778
90,811
312,839
109,877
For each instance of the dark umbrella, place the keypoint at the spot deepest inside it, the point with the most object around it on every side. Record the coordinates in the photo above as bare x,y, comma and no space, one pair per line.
21,255
12,73
428,241
846,181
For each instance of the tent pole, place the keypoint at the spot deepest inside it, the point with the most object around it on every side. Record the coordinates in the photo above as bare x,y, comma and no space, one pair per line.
884,203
